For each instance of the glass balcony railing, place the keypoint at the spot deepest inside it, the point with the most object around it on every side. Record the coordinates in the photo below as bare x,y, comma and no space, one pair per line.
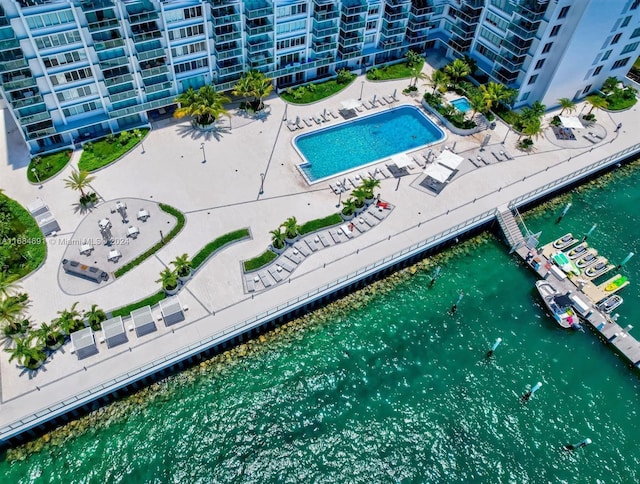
227,37
27,101
463,33
154,71
417,25
9,44
256,47
121,96
140,107
525,32
325,46
512,64
34,118
228,54
147,36
459,44
257,62
152,81
226,19
158,87
352,25
109,44
151,54
258,12
91,5
258,29
516,46
41,133
13,65
505,76
226,71
136,18
19,84
116,62
118,80
347,41
395,29
103,25
322,15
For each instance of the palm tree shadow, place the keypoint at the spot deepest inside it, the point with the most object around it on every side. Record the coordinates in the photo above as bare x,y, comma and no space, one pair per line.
81,209
196,134
33,373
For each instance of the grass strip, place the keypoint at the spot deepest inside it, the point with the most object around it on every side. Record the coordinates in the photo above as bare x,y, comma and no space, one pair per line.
99,153
149,301
319,223
167,238
394,71
201,256
307,94
43,167
260,261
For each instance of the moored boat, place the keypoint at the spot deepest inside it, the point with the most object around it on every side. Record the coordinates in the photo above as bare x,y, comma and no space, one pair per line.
559,305
565,263
610,303
589,258
616,283
578,251
597,269
564,242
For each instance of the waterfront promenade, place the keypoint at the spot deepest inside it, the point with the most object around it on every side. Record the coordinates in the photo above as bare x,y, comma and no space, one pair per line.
222,194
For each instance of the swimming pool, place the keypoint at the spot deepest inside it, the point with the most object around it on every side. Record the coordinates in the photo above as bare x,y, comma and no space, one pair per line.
461,104
354,144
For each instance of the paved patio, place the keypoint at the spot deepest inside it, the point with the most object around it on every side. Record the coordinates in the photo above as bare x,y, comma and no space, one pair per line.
223,194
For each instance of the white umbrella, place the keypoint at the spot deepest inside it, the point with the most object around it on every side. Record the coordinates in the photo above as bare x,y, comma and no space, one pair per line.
324,113
395,91
374,99
401,160
449,159
438,172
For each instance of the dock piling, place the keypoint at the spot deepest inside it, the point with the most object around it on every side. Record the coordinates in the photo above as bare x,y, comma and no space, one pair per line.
593,227
493,348
525,398
564,212
579,445
626,259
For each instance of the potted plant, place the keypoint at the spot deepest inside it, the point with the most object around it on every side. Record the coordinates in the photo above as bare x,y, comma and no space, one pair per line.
290,227
69,320
95,316
169,281
348,209
183,267
360,195
29,356
50,336
277,241
369,184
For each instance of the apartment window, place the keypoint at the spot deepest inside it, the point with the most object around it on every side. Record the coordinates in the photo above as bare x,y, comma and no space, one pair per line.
371,24
525,96
186,32
555,30
630,48
620,63
188,49
291,10
369,39
586,89
635,33
563,12
606,55
625,22
62,59
56,40
294,42
616,38
547,48
373,11
285,27
533,79
50,19
191,66
539,64
81,108
635,5
597,70
70,76
76,93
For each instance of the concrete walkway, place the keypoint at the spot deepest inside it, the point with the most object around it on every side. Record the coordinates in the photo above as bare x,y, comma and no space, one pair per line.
220,192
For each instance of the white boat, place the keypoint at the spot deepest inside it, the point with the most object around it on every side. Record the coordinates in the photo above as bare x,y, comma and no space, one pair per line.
578,251
588,259
597,269
559,305
610,303
564,242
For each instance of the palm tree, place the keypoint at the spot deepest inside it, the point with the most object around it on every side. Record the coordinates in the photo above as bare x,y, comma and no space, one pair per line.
290,227
416,75
457,70
12,310
182,265
277,238
168,279
437,80
79,180
532,127
261,87
596,102
29,356
538,109
477,101
349,206
69,320
95,316
360,194
496,93
8,286
413,58
566,103
370,184
49,335
243,87
205,104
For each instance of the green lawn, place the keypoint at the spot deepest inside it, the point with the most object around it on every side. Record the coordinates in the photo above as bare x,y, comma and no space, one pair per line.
22,246
394,71
47,166
306,94
216,244
320,223
260,261
167,238
619,102
99,153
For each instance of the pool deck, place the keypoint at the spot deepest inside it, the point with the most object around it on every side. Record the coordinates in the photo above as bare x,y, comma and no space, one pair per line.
224,192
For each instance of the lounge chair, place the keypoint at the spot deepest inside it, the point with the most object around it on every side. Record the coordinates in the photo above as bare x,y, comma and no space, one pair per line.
590,139
332,114
303,248
359,108
389,99
323,240
317,119
596,135
308,122
352,181
286,266
381,101
251,286
480,158
416,158
275,274
506,155
336,189
265,279
368,106
383,171
496,156
292,127
474,163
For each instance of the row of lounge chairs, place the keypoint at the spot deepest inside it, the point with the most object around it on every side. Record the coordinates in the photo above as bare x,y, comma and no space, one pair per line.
324,117
481,161
352,181
593,137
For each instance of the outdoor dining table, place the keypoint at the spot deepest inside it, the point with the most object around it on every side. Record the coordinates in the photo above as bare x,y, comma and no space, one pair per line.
133,231
105,223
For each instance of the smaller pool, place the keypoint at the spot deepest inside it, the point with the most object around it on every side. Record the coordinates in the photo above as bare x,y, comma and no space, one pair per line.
461,104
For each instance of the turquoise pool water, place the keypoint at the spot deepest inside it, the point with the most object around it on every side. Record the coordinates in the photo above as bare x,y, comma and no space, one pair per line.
461,104
341,148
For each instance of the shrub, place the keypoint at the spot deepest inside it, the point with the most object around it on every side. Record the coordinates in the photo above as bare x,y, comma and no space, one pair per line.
149,301
555,121
47,166
102,152
260,261
110,138
345,76
211,247
319,223
589,117
526,144
124,138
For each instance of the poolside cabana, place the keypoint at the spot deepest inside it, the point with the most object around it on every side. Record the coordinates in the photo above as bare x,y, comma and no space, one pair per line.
143,321
113,332
571,122
449,159
438,172
172,311
84,343
402,160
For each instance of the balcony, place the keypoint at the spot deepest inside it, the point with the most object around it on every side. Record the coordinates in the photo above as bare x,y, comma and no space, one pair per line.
151,54
416,26
325,46
227,37
227,71
524,31
390,43
260,61
459,45
19,84
226,19
348,41
228,54
470,18
91,5
393,29
154,71
516,46
109,44
34,118
147,36
354,7
532,13
42,133
351,24
115,62
257,13
464,33
13,65
158,87
325,14
27,101
103,25
9,44
113,81
260,45
512,64
323,29
137,18
154,81
255,28
121,96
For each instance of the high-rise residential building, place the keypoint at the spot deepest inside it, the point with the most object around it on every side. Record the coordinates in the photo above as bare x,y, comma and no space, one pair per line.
73,70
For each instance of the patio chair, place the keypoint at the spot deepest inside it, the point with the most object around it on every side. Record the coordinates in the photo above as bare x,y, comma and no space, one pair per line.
292,127
317,119
381,101
416,158
474,163
143,215
332,114
308,122
359,108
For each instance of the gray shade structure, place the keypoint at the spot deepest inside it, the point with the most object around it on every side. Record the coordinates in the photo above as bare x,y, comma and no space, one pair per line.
143,321
113,332
84,343
172,311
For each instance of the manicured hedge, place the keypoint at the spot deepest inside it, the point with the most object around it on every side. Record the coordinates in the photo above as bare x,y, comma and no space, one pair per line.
149,301
214,245
97,154
260,261
167,238
319,223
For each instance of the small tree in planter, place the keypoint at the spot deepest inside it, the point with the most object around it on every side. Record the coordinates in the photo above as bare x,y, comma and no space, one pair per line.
369,185
30,356
290,227
95,316
277,241
348,208
69,320
50,336
183,267
360,194
80,180
169,281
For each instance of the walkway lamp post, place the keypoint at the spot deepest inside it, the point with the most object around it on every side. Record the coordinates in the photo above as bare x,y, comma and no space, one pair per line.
204,155
361,90
35,173
262,175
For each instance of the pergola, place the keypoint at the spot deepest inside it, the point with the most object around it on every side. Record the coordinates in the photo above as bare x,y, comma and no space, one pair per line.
113,332
143,321
84,343
172,311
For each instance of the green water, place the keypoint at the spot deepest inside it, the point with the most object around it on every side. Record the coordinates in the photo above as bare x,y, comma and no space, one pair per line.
388,387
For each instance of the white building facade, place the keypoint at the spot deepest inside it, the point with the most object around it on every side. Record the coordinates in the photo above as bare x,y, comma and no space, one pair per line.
74,70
